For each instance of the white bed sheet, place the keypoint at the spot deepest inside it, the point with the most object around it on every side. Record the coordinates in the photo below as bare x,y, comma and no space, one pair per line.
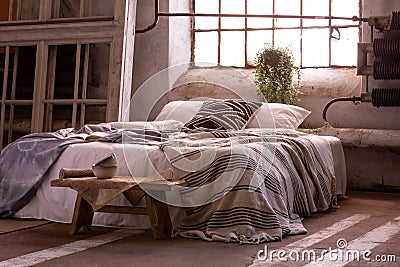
57,204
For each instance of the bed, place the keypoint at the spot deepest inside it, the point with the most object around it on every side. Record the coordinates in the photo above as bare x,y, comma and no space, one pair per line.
265,202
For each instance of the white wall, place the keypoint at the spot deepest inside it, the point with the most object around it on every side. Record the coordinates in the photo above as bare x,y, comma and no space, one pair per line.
168,44
151,48
164,50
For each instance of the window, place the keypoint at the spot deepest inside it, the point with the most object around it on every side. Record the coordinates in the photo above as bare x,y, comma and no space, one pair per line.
317,42
73,68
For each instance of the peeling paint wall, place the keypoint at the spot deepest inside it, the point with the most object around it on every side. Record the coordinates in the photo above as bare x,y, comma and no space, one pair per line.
372,168
236,80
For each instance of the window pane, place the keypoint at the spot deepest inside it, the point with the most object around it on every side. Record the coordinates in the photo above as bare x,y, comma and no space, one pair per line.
255,41
21,122
4,10
345,8
287,7
259,7
316,47
105,9
315,8
65,72
232,49
72,8
30,9
344,51
3,73
207,23
25,71
290,39
99,59
232,7
206,47
206,6
316,44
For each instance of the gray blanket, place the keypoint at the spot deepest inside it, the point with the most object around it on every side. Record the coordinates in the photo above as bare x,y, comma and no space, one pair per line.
24,162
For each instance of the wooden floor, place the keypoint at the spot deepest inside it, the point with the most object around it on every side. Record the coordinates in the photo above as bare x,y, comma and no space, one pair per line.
365,222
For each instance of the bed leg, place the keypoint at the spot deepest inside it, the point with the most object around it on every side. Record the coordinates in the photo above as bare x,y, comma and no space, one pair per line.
159,217
83,215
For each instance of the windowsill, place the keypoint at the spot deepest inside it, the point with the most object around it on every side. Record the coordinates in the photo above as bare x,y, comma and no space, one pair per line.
321,82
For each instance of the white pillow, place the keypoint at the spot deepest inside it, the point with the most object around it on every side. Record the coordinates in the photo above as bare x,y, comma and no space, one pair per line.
284,116
182,111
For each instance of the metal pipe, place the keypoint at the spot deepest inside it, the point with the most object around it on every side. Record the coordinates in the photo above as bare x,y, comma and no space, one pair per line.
277,28
166,14
364,97
155,20
158,14
339,99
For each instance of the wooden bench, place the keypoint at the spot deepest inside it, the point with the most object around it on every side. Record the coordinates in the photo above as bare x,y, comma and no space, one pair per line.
157,210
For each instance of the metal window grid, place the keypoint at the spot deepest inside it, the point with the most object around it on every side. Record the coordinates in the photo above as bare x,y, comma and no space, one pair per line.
273,29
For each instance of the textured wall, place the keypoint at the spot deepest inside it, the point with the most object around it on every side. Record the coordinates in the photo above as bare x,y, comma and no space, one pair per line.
168,44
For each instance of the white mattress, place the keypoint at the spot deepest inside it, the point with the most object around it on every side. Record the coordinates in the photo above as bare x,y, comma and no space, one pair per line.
57,204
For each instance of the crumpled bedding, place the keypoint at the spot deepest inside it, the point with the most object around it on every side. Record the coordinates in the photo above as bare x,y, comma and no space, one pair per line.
24,162
264,196
262,183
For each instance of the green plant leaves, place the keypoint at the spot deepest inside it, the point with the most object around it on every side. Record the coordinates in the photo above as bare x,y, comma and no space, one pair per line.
275,74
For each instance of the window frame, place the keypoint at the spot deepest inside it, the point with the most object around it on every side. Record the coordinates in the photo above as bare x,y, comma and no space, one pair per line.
46,33
274,28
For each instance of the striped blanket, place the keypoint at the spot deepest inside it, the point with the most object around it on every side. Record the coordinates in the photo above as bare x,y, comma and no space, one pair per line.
248,186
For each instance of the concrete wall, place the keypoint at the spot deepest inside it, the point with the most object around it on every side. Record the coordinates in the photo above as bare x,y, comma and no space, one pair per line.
161,54
179,34
318,87
168,44
374,169
151,48
239,81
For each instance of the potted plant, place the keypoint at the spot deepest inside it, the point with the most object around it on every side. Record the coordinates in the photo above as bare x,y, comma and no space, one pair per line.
277,75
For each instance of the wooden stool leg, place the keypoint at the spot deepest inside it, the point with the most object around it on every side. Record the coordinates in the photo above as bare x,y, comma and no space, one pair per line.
159,218
83,215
